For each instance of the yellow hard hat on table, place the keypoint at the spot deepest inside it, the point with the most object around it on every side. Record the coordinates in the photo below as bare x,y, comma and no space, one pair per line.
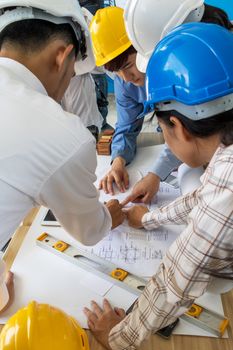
42,327
108,34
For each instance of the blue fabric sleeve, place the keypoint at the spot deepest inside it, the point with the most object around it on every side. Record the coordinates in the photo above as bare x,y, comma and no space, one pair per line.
129,104
165,164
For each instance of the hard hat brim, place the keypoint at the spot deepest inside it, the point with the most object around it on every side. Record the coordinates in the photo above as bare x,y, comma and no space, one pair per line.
114,54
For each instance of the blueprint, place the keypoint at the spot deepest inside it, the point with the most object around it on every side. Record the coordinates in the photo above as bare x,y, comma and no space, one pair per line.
137,250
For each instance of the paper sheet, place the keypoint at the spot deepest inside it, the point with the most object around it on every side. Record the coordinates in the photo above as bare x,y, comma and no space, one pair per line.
96,284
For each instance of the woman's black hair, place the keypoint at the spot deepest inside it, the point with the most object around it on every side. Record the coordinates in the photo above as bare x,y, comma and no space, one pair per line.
219,124
217,16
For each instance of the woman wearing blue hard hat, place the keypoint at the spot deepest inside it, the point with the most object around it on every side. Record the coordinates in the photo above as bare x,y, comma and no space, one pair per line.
189,82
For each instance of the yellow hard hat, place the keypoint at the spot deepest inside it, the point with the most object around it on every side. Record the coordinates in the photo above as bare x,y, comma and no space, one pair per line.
108,33
42,327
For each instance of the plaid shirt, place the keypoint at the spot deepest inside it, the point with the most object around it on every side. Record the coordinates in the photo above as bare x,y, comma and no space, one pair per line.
203,250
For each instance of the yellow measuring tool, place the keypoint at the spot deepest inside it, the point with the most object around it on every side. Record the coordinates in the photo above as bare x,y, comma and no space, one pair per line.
197,314
103,268
206,319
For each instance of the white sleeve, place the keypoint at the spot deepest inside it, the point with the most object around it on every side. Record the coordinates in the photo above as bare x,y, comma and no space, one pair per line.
80,99
71,195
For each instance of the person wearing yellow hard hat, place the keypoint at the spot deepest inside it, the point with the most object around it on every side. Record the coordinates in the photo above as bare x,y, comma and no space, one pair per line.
113,49
42,327
119,45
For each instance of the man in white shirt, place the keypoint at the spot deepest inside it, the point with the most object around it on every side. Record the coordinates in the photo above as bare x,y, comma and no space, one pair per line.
47,156
80,99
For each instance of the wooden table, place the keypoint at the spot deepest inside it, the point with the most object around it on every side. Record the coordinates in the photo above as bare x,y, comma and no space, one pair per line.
176,342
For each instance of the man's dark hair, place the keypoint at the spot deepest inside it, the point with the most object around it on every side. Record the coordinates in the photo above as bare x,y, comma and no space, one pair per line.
118,62
219,124
217,16
32,35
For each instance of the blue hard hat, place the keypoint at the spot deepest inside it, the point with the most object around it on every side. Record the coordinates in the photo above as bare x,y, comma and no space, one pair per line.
192,65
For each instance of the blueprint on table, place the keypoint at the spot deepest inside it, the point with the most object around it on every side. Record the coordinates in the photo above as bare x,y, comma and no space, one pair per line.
137,250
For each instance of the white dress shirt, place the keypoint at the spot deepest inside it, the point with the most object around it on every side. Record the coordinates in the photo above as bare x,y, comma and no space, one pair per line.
80,99
47,157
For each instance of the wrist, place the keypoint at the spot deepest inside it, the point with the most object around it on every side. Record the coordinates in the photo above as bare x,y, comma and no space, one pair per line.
119,161
153,176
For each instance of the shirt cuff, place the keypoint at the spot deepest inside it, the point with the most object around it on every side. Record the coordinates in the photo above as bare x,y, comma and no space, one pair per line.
116,338
149,221
127,159
165,164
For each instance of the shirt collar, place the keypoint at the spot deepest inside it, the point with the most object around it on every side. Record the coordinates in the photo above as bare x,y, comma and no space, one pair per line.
23,73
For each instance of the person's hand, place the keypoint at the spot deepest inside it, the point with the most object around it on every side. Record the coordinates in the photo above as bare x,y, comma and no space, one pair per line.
144,190
115,210
101,321
10,287
134,215
117,174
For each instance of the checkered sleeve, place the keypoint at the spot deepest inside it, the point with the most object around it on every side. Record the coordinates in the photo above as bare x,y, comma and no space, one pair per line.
174,213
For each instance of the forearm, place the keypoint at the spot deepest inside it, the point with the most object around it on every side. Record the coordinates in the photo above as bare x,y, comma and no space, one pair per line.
71,195
175,212
125,141
86,231
153,311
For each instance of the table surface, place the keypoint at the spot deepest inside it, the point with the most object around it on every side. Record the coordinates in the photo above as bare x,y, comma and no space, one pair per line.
176,342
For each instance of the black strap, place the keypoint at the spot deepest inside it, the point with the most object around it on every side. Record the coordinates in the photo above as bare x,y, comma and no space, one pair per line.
103,100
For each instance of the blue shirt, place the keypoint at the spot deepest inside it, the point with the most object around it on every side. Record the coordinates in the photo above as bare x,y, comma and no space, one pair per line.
129,105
